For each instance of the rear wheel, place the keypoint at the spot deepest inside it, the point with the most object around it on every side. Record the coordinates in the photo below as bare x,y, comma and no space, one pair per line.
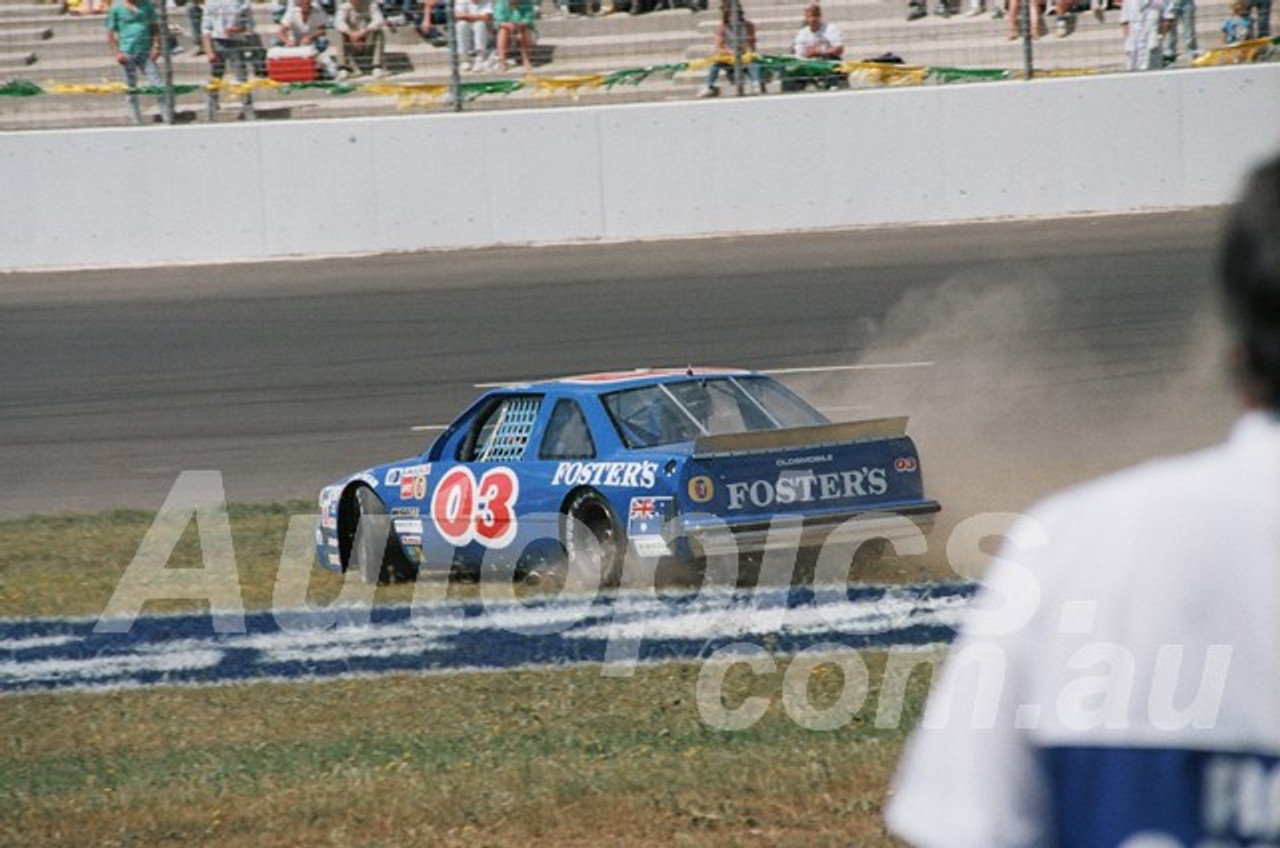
594,541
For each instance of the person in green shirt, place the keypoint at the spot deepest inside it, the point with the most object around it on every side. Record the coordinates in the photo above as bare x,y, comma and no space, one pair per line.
515,19
133,31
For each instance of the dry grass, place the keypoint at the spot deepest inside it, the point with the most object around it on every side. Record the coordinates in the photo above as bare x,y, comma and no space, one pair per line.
556,757
537,757
69,565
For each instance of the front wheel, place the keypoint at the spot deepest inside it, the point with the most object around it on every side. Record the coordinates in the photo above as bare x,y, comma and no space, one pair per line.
375,553
594,541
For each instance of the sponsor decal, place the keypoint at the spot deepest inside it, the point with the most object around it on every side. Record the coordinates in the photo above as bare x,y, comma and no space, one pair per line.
408,525
904,464
628,475
701,489
467,510
808,488
411,540
817,459
645,517
411,479
334,559
405,511
329,521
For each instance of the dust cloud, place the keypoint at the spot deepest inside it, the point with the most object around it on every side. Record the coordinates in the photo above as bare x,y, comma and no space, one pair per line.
1031,390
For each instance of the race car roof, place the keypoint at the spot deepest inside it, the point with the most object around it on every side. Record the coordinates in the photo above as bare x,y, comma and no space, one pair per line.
613,380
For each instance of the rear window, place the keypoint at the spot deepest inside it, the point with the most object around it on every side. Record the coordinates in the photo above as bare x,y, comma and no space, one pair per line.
668,413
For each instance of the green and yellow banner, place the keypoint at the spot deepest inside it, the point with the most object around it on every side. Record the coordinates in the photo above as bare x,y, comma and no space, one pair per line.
412,95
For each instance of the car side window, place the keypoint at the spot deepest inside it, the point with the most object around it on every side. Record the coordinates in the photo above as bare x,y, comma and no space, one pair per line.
568,435
501,433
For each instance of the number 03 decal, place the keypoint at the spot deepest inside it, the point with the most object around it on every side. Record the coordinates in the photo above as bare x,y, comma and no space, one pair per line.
467,511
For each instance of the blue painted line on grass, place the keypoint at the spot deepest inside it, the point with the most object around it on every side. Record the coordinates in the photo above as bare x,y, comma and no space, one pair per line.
68,654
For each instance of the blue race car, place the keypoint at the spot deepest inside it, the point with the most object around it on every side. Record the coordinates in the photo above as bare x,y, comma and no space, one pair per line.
676,464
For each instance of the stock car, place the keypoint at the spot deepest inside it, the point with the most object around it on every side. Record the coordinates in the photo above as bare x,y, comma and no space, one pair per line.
665,463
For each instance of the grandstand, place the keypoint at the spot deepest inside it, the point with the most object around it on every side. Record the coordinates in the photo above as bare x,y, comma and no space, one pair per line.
62,62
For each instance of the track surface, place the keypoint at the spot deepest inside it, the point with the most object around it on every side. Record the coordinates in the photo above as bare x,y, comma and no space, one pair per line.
1060,349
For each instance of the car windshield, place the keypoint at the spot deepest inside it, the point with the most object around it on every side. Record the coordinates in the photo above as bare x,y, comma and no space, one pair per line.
668,413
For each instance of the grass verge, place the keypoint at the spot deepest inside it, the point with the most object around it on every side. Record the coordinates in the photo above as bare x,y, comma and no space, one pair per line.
564,757
69,565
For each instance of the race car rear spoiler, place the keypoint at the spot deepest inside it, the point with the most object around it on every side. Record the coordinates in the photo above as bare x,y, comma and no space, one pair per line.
729,444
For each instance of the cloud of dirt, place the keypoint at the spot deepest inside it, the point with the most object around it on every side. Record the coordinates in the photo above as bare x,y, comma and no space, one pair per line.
1030,391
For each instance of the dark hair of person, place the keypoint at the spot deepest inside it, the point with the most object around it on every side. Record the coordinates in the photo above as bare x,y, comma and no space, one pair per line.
1250,271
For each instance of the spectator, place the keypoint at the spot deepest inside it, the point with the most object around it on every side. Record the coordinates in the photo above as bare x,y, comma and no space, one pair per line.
1183,17
515,18
1038,27
817,40
474,22
363,35
1123,659
727,45
306,25
1263,8
977,7
398,13
917,9
229,39
195,17
133,31
1142,23
1065,17
1238,26
434,15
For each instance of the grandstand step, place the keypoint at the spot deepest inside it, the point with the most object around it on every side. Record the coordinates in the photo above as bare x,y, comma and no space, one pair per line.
19,59
10,38
10,11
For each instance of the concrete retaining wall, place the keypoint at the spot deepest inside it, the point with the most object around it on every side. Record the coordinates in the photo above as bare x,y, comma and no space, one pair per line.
932,154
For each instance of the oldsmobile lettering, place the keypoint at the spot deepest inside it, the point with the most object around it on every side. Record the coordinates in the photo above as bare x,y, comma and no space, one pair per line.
631,475
804,460
807,488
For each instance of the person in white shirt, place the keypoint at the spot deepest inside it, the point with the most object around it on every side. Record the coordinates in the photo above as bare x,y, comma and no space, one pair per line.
474,20
229,39
1117,681
364,33
1143,23
305,24
817,40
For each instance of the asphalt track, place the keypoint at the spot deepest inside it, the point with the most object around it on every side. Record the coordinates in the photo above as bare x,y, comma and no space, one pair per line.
1058,349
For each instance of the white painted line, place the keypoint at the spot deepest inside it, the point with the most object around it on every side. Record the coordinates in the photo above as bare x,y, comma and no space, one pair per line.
424,427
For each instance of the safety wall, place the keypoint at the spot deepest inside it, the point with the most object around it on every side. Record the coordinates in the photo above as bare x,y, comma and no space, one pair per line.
245,191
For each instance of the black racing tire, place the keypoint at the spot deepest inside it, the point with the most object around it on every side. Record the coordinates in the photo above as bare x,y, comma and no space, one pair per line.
375,553
594,541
